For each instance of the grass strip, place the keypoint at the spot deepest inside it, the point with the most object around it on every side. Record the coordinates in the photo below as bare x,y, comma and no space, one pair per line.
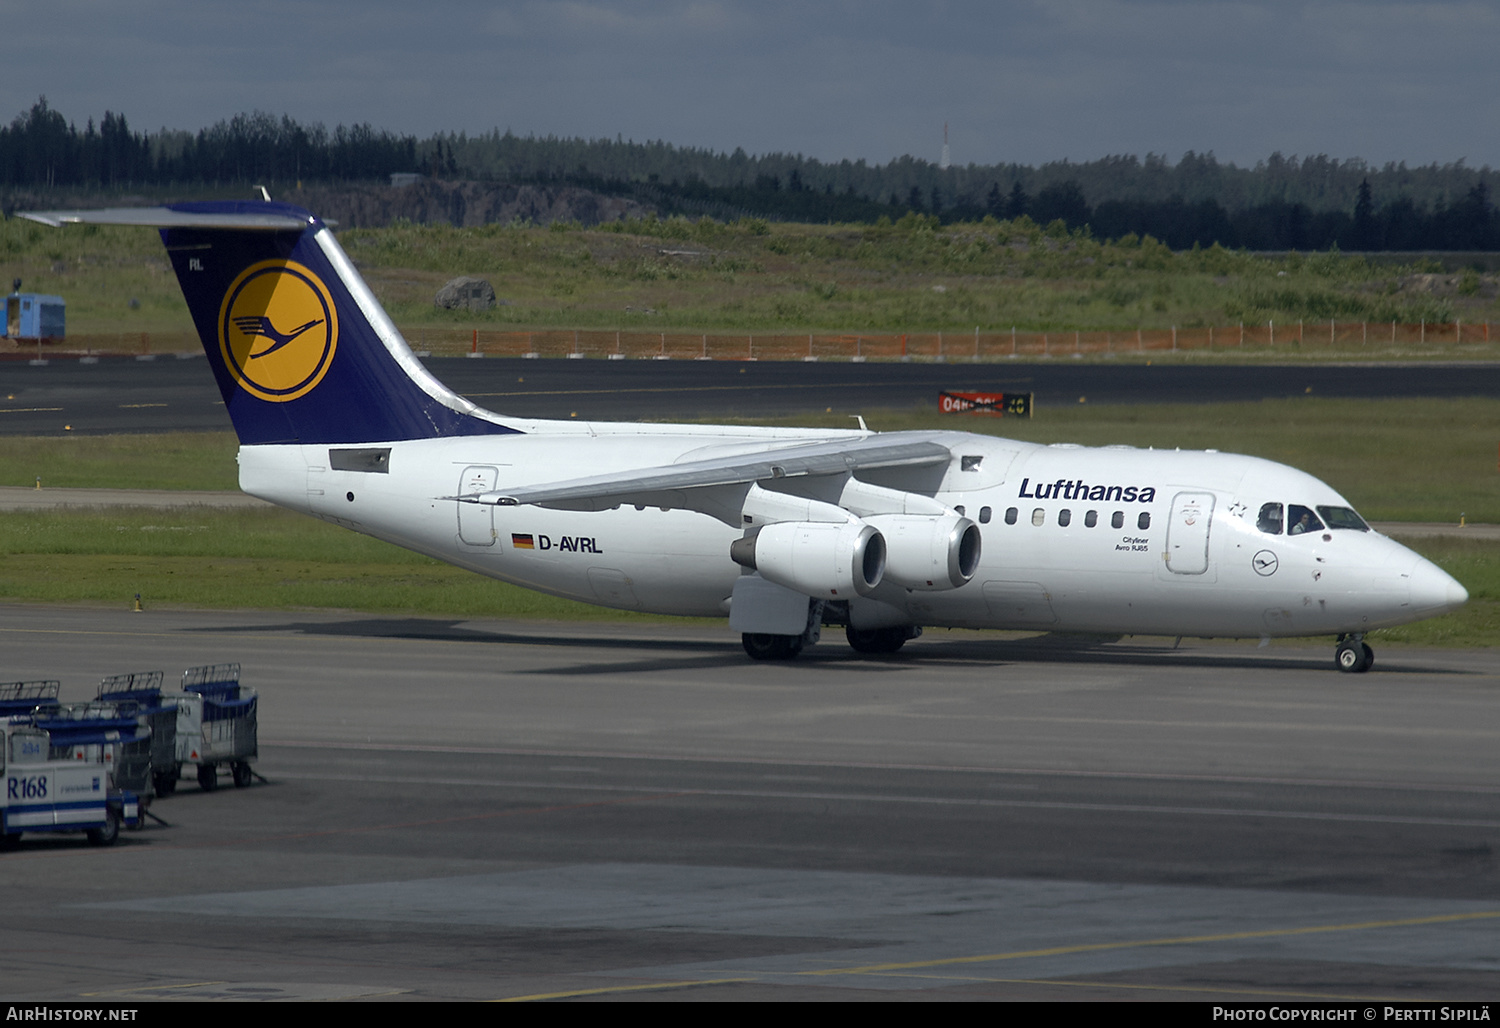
169,460
1395,460
271,559
1476,564
274,559
673,274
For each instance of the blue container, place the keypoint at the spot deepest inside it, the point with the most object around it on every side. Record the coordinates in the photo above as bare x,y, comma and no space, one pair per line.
33,316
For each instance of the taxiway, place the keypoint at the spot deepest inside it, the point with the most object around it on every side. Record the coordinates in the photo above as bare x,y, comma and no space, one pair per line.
513,810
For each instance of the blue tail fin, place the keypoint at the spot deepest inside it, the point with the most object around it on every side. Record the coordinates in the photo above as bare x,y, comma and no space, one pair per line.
302,351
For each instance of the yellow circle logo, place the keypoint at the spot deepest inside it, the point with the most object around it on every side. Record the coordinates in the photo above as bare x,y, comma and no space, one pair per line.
277,330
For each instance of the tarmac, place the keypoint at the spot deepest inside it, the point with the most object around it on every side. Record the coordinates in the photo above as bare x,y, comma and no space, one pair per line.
519,810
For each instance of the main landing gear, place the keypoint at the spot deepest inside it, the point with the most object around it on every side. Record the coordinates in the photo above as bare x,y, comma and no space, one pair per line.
1353,654
763,646
771,647
863,640
785,647
877,640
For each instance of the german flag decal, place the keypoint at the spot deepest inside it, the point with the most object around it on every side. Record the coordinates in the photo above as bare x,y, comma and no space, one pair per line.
521,542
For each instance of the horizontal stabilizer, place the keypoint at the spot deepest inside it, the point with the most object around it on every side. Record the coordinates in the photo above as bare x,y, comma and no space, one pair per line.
165,217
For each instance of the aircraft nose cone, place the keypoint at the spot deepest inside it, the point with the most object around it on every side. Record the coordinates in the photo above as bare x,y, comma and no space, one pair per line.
1433,589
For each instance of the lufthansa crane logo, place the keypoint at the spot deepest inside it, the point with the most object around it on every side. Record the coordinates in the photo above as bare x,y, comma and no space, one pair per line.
277,330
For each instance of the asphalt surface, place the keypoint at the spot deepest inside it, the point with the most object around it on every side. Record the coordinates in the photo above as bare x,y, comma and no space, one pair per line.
173,393
459,810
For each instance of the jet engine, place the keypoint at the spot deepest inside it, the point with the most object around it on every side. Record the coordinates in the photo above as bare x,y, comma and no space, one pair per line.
824,560
928,553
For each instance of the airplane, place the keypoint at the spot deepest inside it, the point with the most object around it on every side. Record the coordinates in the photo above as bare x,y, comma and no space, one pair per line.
783,530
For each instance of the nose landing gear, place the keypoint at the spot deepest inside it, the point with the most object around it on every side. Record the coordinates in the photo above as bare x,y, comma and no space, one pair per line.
1353,654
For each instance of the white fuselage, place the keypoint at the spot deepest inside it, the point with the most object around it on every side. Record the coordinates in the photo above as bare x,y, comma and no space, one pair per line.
1112,539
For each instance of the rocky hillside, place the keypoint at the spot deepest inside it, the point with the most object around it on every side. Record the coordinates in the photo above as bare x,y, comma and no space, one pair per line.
373,205
461,204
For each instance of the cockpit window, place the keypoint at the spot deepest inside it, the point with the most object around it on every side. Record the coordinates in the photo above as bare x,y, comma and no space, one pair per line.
1301,519
1343,517
1269,521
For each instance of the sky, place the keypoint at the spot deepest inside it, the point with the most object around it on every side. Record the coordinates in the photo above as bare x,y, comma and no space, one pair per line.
1015,80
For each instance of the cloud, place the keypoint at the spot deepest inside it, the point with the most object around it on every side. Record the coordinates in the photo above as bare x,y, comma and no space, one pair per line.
1019,80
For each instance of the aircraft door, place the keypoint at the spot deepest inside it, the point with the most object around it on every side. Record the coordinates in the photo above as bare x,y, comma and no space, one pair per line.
1187,533
476,523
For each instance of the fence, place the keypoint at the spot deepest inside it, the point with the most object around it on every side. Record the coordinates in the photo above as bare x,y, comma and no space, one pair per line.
1343,336
104,344
941,346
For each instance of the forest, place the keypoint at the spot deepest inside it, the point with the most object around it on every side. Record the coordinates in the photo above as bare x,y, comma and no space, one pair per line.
1282,203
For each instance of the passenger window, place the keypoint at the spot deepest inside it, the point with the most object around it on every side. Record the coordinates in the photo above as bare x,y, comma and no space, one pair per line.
1039,517
1300,519
984,515
1064,518
1118,520
960,509
1343,517
1144,521
1091,519
1269,521
1010,515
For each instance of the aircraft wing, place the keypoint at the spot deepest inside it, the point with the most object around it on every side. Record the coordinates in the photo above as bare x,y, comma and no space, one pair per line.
668,485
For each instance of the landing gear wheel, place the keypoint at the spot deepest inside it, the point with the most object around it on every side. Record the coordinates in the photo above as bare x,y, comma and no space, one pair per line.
771,647
1353,656
107,833
876,640
9,841
241,772
208,777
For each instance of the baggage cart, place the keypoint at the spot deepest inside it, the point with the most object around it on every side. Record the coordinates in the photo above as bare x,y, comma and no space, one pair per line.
107,734
216,724
46,794
157,711
27,697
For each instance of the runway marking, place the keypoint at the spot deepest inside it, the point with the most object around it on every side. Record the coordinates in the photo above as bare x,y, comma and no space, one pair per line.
26,410
1183,940
855,797
133,406
621,988
152,988
428,822
502,751
1404,731
78,631
1267,993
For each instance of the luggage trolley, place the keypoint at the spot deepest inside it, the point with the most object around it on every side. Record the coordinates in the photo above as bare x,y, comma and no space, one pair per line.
108,734
143,688
216,724
47,789
27,697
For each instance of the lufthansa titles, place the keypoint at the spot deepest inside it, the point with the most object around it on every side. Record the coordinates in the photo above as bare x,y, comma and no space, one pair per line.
1078,489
